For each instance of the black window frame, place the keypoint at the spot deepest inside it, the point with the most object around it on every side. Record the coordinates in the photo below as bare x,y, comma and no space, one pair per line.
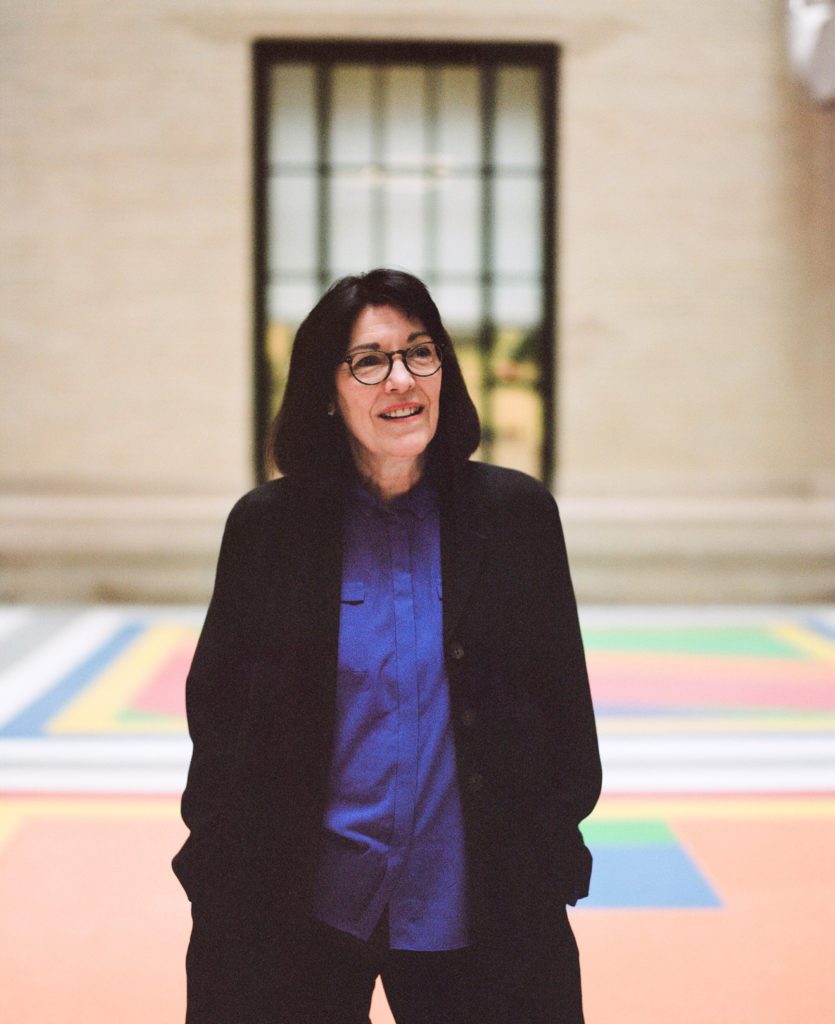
546,56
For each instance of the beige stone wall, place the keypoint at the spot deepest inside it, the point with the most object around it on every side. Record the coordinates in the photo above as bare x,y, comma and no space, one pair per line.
697,385
683,278
697,358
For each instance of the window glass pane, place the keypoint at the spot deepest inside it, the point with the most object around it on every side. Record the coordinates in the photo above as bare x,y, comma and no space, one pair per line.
517,141
292,126
404,116
350,232
287,305
459,118
404,223
351,129
517,220
517,418
459,225
406,186
516,407
459,306
518,306
289,302
291,218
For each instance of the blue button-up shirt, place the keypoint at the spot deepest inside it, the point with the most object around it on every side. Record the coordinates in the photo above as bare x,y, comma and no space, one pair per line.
393,830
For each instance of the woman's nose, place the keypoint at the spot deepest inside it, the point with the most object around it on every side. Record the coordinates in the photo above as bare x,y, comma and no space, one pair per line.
399,379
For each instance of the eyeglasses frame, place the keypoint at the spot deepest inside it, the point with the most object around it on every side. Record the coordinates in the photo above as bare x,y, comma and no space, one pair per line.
439,348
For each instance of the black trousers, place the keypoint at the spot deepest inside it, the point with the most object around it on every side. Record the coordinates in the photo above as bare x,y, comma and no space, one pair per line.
312,974
466,986
421,987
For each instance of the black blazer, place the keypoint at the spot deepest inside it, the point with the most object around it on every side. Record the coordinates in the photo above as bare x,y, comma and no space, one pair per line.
260,701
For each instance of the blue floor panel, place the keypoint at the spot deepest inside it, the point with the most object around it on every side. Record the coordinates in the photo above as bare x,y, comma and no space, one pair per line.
650,876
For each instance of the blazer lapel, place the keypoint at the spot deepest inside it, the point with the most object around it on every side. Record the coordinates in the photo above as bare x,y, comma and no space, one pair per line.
464,535
301,627
317,580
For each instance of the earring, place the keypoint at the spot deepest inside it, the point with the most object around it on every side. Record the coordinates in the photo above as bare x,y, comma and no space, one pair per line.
331,409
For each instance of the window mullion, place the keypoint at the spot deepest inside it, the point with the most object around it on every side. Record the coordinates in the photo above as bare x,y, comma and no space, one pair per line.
487,326
324,74
379,173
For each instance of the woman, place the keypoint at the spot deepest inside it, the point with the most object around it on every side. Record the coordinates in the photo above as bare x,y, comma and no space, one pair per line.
393,736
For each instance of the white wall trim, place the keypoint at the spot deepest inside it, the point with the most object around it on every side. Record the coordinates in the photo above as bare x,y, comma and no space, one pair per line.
83,547
34,525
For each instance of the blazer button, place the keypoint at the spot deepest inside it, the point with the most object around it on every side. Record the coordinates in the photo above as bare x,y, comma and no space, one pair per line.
468,717
475,782
456,651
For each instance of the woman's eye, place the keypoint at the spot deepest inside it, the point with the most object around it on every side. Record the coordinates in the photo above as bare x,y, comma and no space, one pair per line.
420,352
367,362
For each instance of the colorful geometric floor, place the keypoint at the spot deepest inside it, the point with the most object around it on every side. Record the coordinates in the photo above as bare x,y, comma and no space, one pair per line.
713,895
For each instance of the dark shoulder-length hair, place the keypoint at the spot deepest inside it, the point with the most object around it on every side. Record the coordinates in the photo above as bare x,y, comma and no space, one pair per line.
304,440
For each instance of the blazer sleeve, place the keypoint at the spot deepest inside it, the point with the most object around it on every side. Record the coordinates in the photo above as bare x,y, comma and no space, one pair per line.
565,701
579,773
524,669
578,752
213,707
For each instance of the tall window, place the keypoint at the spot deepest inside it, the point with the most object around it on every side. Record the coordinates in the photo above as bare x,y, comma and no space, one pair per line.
437,159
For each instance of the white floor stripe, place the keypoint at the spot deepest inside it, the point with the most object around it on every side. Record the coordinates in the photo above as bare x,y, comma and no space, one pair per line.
93,780
698,616
719,779
29,678
12,618
707,750
633,763
136,765
166,778
103,751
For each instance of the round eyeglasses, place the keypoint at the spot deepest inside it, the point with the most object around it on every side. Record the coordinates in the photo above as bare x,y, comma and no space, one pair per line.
372,366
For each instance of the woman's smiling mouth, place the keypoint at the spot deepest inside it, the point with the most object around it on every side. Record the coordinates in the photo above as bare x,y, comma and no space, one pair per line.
402,412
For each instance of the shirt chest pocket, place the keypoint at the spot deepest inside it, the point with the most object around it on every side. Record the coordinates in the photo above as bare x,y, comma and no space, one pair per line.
353,593
354,628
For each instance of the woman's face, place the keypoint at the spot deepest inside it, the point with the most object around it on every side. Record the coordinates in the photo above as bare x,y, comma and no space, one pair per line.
389,424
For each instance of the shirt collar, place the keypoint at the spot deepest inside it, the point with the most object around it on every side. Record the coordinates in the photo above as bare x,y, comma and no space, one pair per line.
420,500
